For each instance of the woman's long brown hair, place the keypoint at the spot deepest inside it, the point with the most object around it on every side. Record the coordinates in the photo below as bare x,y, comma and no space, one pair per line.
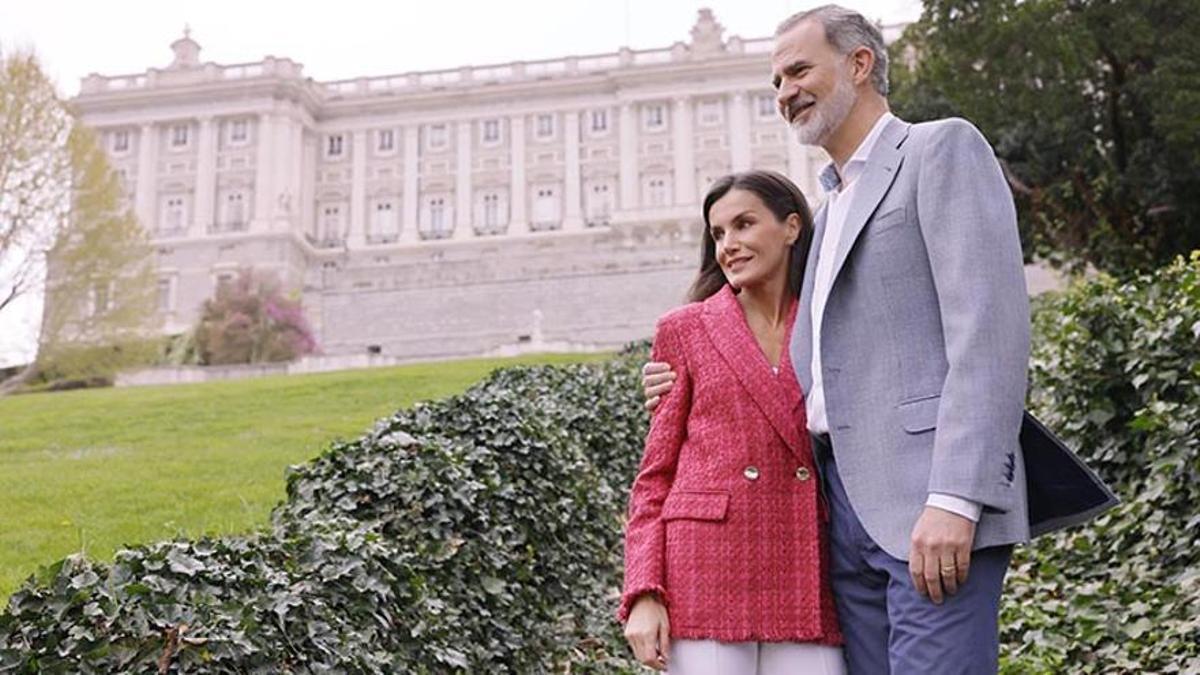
782,198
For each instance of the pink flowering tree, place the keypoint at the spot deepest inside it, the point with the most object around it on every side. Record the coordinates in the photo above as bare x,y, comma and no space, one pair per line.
251,320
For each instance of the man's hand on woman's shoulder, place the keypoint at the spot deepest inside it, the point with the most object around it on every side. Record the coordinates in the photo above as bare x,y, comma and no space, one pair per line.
657,379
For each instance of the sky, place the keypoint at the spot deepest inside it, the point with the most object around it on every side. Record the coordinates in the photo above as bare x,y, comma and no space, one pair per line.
352,38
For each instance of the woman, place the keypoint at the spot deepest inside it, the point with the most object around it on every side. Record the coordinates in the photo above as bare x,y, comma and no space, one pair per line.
725,550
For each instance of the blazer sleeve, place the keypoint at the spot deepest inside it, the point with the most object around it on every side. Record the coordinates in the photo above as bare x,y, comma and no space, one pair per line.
644,530
969,225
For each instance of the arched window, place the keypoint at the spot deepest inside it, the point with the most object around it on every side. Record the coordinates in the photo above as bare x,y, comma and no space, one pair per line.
599,204
120,141
654,117
101,297
238,132
334,145
599,121
235,210
545,126
491,211
491,131
386,140
174,215
164,294
331,225
545,209
385,226
437,214
656,192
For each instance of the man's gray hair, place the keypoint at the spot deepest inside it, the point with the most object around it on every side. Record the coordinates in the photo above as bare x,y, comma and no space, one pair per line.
847,30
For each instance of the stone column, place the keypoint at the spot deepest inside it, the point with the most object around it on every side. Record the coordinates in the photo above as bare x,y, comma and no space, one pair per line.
285,184
739,132
629,161
296,169
146,197
307,202
463,228
205,197
263,174
684,152
411,197
799,168
572,192
518,221
357,236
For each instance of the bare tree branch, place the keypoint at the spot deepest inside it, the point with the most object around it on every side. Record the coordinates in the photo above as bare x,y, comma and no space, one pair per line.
35,176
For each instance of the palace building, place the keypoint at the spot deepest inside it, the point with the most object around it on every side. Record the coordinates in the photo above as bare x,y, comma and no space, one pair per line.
451,212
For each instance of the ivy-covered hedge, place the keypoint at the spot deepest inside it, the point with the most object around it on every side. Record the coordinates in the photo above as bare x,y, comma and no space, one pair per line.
1116,371
483,533
480,534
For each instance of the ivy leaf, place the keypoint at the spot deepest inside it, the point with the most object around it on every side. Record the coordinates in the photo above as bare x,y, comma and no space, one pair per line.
492,585
182,563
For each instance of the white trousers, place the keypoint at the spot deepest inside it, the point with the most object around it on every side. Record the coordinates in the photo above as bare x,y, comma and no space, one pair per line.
710,657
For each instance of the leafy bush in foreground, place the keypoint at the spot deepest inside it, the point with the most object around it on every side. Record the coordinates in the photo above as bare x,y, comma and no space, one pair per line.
1116,371
480,533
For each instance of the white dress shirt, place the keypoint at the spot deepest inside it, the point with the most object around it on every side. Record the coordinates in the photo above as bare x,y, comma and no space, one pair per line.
839,195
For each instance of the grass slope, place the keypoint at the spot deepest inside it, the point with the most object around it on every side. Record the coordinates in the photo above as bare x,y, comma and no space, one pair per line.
100,469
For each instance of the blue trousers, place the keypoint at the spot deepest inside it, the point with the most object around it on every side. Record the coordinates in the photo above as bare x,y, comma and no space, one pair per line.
888,626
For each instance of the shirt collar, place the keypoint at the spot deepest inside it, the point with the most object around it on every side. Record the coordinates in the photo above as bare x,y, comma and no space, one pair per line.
831,179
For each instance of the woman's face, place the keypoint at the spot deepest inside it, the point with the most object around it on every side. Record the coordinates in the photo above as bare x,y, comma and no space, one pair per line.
751,243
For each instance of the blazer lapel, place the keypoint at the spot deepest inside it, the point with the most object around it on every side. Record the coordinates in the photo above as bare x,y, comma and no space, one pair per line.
730,334
801,343
882,166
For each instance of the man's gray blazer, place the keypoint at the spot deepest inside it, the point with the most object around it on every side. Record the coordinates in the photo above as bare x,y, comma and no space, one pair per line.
925,338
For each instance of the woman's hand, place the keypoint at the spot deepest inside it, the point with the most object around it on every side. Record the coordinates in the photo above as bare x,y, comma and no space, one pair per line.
657,379
648,631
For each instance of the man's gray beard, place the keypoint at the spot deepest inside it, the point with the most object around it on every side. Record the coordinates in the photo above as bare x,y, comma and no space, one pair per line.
826,117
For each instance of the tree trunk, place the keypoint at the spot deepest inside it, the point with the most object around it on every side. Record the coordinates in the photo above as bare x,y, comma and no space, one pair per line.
14,383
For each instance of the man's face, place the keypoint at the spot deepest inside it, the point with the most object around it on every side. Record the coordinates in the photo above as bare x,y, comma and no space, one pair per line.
813,82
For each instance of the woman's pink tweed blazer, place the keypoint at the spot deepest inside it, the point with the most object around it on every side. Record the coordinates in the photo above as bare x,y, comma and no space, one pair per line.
726,519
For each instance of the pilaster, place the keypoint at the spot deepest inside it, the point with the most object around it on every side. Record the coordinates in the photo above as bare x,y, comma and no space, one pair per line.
739,132
147,177
627,130
518,194
205,198
573,215
411,198
799,166
463,228
684,152
356,237
264,164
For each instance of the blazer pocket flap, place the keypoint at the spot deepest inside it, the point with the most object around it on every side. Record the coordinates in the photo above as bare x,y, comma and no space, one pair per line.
886,221
696,506
920,415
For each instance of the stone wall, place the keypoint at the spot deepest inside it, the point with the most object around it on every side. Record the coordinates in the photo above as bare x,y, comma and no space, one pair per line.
602,288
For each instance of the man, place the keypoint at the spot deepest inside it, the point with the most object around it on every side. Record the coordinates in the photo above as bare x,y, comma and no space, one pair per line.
912,345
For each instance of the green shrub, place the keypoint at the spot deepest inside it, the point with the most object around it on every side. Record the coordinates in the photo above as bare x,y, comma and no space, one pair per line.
480,534
78,365
178,350
1116,371
252,320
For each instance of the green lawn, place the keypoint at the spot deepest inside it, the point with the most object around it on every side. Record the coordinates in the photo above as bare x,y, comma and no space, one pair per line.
100,469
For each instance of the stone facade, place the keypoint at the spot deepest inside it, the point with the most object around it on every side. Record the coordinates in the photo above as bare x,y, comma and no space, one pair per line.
452,212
